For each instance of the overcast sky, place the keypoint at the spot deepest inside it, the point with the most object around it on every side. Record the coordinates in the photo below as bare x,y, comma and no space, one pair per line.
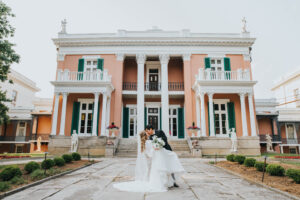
275,24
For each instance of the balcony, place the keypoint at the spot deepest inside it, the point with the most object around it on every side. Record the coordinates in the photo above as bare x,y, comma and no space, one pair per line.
275,138
172,86
290,141
208,75
12,139
88,76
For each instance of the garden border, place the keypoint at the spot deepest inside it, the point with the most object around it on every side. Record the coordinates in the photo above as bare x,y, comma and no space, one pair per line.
259,184
41,181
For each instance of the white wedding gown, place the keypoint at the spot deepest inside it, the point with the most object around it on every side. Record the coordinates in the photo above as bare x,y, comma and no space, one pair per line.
161,163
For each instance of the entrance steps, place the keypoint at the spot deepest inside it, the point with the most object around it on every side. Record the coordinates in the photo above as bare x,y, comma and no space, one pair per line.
128,148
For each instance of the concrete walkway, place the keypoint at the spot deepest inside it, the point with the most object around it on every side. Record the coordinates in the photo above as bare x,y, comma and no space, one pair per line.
201,181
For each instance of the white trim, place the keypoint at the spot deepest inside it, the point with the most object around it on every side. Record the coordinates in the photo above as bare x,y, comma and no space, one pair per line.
221,100
94,57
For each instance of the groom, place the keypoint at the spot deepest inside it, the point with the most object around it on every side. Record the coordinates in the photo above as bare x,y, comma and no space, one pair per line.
160,134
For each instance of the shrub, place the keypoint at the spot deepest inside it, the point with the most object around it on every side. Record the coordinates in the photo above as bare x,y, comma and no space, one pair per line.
76,156
47,164
4,186
31,166
17,180
230,158
260,166
239,158
249,162
67,157
37,174
10,172
275,170
58,161
294,174
53,171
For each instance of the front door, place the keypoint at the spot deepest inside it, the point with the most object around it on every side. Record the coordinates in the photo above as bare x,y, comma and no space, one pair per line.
153,120
86,118
153,82
132,122
173,122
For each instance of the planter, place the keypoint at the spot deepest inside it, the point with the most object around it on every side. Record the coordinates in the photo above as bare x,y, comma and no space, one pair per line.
113,132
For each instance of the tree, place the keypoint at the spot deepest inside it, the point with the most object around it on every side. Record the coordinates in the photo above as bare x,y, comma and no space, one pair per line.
8,56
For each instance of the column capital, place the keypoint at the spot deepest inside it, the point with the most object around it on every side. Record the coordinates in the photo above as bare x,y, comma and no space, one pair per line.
120,56
242,94
164,58
186,57
210,94
65,94
96,94
202,93
250,94
140,58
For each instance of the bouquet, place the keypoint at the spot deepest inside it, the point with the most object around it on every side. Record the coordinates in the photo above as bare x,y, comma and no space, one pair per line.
157,143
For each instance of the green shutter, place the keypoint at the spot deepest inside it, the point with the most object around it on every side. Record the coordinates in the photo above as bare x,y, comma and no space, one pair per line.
80,68
180,114
100,64
160,118
125,122
75,117
207,62
145,118
227,68
208,118
231,115
98,118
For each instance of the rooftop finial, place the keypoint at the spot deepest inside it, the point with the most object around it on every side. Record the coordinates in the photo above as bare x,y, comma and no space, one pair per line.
63,26
244,25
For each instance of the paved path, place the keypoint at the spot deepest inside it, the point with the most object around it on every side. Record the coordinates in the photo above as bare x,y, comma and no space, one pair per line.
201,181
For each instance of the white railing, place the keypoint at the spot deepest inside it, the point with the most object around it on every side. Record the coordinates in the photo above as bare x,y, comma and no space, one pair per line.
74,76
239,75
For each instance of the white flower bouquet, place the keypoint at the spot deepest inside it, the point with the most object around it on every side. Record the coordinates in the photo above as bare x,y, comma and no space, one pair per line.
157,143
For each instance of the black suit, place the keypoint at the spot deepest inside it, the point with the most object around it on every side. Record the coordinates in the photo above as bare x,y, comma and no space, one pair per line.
161,134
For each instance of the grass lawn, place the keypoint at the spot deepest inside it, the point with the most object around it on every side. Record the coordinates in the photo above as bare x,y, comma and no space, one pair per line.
23,154
278,154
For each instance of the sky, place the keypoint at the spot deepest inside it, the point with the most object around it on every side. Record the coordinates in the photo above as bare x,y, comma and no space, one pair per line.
275,24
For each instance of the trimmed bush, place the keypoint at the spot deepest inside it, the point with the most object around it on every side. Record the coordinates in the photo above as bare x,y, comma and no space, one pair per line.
37,174
76,156
10,172
260,166
47,164
230,158
294,174
58,161
249,162
4,186
67,157
239,158
17,180
31,166
275,170
53,171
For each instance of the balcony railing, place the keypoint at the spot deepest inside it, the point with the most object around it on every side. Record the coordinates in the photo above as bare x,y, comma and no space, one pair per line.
44,136
239,75
15,138
172,86
75,76
275,138
290,141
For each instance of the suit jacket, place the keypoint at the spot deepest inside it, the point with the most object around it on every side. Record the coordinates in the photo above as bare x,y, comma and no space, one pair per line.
161,134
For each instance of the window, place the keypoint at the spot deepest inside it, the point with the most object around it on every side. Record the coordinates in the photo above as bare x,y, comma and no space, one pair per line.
216,64
173,122
21,129
91,65
86,117
290,129
221,118
293,150
132,122
19,149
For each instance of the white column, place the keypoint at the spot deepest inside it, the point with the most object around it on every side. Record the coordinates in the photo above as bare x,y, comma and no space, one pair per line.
55,114
198,111
140,59
63,114
211,114
108,114
203,122
252,117
95,113
164,60
103,116
244,119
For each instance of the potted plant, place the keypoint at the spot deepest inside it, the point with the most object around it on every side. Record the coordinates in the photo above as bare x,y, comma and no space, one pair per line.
193,130
112,130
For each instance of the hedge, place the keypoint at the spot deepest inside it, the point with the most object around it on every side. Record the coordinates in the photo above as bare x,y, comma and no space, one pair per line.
249,162
260,166
31,166
58,161
239,158
67,157
294,174
10,172
47,164
275,170
230,158
76,156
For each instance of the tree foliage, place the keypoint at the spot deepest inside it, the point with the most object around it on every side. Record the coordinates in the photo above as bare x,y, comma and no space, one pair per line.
8,55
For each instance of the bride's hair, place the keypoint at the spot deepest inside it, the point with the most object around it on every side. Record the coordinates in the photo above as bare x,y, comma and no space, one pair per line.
143,137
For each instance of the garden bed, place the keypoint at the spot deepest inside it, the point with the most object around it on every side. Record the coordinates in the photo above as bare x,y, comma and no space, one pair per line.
288,157
282,183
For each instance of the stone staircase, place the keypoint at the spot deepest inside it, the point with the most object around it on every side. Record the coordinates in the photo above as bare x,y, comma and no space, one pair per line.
181,148
127,148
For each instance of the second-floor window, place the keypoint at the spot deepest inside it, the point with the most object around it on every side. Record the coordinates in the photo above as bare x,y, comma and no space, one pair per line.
21,129
290,128
91,65
216,64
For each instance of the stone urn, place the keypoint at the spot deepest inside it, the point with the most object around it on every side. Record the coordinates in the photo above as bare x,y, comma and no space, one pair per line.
113,130
193,130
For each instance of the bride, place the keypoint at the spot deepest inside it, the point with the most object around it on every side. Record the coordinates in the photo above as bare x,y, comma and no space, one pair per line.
154,167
